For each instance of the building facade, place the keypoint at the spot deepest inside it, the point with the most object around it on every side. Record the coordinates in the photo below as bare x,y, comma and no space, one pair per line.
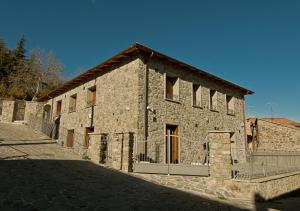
167,106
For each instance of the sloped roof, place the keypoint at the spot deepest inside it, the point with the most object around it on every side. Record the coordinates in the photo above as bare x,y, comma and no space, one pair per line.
283,121
135,48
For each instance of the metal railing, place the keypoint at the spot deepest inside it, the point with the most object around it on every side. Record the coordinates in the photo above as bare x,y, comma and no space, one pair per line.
267,163
171,154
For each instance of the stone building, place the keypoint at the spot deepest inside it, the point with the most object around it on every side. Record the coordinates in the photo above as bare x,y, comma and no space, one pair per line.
164,106
272,134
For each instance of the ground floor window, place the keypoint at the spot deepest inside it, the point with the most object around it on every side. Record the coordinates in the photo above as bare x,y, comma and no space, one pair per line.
86,135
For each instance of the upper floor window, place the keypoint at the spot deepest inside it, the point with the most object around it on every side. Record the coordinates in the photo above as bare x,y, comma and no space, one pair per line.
172,88
91,96
230,104
197,95
58,107
213,99
73,102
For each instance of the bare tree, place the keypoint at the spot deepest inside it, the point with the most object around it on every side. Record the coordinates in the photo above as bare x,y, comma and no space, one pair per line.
37,76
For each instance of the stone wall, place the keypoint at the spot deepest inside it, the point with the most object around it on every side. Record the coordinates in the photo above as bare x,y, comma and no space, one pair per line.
116,105
193,122
265,188
275,136
120,107
219,155
8,110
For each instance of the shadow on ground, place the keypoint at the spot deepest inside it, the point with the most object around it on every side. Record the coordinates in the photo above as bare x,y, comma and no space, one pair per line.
74,185
289,201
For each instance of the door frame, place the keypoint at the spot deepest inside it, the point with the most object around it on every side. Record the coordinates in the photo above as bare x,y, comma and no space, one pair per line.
168,159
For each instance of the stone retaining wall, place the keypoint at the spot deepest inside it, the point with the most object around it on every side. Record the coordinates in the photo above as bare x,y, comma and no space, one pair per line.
275,136
268,187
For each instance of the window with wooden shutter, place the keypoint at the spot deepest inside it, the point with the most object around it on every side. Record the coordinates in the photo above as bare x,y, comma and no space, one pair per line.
91,96
172,88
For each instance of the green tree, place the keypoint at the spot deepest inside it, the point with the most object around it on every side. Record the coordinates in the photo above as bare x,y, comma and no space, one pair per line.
23,77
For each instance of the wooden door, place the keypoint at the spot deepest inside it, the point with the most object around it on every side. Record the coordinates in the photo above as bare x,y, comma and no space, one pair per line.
172,152
174,146
87,137
70,138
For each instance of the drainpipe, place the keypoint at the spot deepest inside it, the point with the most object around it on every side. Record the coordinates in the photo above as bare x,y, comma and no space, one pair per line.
146,97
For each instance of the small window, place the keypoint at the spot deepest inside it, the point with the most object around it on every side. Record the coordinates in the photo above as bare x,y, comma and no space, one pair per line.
91,96
73,102
58,107
213,97
197,95
230,105
172,88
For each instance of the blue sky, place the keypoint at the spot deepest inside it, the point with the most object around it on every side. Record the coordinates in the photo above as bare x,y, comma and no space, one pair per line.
255,44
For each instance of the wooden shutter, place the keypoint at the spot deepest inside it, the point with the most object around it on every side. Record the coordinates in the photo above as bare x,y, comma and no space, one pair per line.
169,88
174,146
94,96
70,138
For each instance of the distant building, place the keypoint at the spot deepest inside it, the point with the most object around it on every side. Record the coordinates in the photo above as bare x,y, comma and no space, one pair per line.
272,134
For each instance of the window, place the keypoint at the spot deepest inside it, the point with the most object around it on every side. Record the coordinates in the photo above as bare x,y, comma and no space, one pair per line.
91,96
197,95
230,105
87,137
213,98
58,107
172,88
73,102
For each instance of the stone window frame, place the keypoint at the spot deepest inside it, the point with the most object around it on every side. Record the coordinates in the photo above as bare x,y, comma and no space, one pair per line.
230,103
165,87
88,93
211,107
200,89
61,107
73,97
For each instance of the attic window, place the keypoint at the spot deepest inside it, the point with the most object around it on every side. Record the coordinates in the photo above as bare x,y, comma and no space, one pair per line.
73,102
196,95
172,88
91,96
230,105
213,97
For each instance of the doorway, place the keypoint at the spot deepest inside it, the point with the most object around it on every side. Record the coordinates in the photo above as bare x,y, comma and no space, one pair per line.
86,136
172,144
70,138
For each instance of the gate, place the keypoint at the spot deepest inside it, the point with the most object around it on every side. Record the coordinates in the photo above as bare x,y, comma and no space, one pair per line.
171,155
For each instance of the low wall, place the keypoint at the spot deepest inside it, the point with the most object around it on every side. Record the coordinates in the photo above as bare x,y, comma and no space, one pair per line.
275,136
7,111
268,187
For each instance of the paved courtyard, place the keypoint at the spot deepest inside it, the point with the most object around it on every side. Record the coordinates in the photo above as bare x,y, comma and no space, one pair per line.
38,174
